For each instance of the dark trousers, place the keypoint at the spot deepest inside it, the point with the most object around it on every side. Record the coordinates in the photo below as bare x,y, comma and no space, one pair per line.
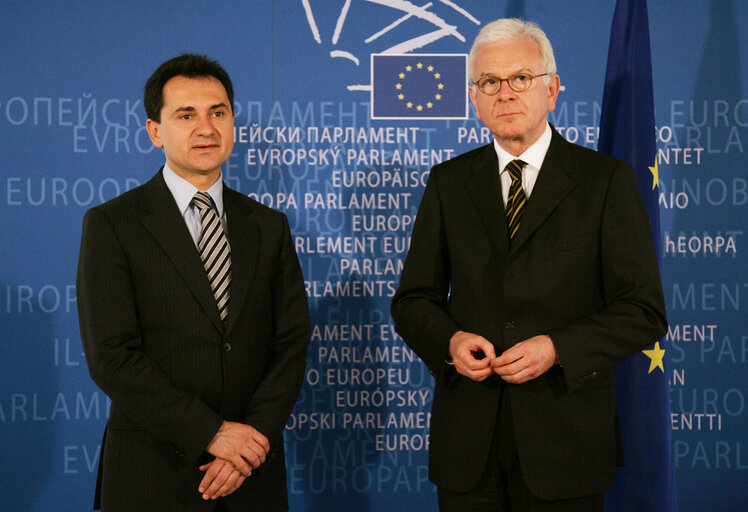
502,487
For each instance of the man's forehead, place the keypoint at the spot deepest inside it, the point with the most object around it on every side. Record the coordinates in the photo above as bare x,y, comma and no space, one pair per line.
198,85
510,56
181,92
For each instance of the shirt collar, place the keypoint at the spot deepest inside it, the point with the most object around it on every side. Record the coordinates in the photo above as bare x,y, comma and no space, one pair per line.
183,191
533,156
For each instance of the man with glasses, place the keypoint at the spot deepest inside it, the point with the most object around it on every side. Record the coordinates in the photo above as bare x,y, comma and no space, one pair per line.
531,274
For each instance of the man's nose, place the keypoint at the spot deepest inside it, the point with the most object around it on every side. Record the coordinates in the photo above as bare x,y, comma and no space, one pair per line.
505,92
204,125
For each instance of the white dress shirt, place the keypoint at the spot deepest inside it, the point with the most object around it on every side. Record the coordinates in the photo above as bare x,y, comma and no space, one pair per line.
183,192
533,156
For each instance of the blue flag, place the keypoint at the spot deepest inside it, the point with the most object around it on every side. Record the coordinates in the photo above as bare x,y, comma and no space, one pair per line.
419,86
627,132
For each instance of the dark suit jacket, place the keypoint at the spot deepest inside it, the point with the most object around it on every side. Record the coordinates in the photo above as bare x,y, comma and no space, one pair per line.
581,269
154,342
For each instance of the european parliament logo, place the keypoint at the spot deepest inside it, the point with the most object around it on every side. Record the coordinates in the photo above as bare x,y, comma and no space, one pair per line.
419,86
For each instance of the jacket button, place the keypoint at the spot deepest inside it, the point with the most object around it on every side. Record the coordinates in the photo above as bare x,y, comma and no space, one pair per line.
509,325
227,347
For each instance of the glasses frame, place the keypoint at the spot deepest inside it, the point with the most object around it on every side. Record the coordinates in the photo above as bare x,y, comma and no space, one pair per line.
508,83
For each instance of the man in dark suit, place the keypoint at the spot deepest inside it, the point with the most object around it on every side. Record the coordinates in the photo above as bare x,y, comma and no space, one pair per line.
531,274
193,317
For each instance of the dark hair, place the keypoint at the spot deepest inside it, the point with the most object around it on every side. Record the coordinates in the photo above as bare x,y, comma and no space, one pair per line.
189,65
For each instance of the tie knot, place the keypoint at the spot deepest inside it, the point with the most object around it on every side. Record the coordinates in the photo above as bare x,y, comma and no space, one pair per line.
515,169
202,200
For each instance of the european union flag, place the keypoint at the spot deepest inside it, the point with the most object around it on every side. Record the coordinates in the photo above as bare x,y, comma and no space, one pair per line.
627,132
419,86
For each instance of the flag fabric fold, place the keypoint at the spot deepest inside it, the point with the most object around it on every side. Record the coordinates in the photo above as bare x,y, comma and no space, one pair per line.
627,131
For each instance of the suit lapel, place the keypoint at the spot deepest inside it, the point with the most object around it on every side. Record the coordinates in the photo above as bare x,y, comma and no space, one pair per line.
244,238
161,217
484,188
553,184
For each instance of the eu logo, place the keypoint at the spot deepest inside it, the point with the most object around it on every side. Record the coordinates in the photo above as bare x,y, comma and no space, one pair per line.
419,86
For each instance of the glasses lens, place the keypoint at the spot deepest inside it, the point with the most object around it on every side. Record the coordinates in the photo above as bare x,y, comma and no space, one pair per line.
520,82
488,85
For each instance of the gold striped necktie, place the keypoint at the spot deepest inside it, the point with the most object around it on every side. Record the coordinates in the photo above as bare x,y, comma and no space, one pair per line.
213,247
515,204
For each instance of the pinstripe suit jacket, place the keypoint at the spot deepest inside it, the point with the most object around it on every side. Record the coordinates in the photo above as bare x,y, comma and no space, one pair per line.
155,344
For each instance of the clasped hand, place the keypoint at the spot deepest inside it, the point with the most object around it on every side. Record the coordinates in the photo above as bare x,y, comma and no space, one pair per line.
239,449
474,357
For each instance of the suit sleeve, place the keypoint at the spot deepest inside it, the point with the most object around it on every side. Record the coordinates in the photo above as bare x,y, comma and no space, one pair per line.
633,313
279,388
111,336
419,306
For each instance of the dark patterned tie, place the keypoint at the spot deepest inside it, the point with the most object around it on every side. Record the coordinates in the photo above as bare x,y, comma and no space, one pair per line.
213,247
515,204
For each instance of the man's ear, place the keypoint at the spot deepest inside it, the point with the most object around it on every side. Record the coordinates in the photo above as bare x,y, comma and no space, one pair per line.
154,132
554,86
474,98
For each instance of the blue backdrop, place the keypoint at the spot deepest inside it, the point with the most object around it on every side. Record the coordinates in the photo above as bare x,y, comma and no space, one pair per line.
73,136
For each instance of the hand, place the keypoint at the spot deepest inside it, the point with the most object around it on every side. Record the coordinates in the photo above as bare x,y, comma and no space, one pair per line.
526,360
241,445
471,355
221,479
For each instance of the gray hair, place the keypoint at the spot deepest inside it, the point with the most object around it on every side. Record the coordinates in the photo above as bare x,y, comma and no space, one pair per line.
507,29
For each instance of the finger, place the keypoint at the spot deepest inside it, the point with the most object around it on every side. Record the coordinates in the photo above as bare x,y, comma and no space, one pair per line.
238,483
212,470
482,375
476,364
228,486
211,492
241,465
475,349
262,451
262,441
477,375
517,378
509,356
255,455
511,368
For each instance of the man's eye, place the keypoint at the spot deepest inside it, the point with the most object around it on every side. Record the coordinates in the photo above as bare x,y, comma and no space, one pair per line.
219,113
489,81
185,116
521,78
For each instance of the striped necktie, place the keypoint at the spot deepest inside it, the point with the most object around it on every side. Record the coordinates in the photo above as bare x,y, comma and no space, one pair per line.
515,204
213,247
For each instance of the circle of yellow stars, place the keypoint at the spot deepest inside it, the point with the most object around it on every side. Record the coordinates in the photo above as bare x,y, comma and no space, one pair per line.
439,86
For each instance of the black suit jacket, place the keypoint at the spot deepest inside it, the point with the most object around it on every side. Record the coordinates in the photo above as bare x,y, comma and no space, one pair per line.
154,342
581,269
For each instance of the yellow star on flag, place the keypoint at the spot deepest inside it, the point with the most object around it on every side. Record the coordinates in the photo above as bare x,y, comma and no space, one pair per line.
655,174
409,104
438,96
429,104
398,86
440,86
419,108
437,75
401,75
400,96
655,354
419,65
430,68
408,68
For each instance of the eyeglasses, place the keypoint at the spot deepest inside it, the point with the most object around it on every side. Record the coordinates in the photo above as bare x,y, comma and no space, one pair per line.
491,85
